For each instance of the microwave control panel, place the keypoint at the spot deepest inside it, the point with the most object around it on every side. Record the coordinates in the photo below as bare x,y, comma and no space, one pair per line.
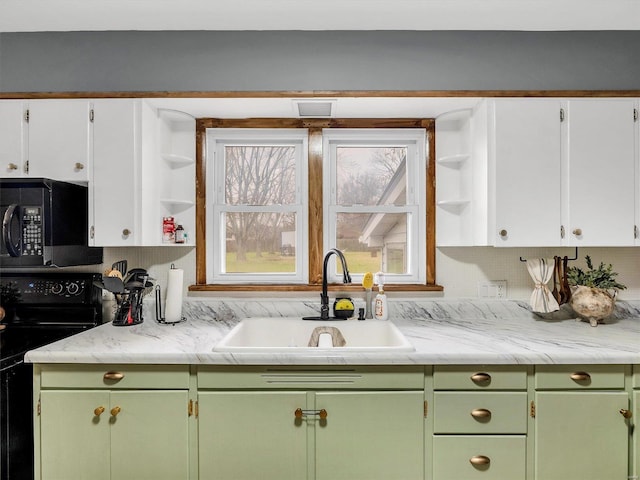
32,241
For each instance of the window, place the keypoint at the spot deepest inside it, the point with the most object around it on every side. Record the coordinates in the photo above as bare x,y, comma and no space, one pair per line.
259,207
373,188
273,195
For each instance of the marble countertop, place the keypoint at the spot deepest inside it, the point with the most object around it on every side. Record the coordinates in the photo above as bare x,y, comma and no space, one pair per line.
442,332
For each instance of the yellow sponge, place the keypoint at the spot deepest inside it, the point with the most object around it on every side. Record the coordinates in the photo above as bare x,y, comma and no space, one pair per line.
344,304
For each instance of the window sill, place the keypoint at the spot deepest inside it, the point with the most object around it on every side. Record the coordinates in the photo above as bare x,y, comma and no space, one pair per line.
253,287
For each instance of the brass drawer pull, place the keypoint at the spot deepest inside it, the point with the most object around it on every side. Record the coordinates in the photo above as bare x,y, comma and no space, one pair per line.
481,413
580,376
115,411
480,377
479,460
626,413
113,376
300,413
99,411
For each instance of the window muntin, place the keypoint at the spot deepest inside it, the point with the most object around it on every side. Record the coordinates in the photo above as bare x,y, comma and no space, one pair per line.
374,180
259,210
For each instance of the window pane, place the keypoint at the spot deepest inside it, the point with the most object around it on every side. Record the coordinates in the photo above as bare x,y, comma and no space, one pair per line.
371,175
258,242
260,175
373,242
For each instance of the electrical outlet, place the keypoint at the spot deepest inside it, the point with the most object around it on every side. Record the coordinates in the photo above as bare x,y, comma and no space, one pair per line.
492,289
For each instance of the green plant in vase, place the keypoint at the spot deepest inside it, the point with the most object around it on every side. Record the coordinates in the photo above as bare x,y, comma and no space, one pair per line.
594,291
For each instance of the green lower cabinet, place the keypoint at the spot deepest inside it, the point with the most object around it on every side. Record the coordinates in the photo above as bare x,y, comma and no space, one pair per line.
486,457
75,442
246,435
370,436
251,435
123,435
581,435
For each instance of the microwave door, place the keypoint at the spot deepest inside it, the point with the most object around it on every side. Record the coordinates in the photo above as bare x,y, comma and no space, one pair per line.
12,231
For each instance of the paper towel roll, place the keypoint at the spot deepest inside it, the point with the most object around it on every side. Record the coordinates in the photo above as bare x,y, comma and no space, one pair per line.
173,303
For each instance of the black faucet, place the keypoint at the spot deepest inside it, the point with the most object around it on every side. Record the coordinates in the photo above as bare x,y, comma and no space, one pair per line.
346,278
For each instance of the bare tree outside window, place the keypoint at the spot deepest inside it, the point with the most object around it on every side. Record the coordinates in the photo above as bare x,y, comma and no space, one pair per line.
259,176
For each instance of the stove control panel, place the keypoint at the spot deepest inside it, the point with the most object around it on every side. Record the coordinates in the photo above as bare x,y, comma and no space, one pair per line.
48,288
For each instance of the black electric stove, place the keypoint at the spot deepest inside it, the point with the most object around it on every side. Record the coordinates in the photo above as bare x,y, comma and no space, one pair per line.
41,308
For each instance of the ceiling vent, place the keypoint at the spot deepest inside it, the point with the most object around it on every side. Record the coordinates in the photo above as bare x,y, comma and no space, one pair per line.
317,108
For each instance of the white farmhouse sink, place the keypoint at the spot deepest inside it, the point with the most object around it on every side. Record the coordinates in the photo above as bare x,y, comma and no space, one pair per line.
292,335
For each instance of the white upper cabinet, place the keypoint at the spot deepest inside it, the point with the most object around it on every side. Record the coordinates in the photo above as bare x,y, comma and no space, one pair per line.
558,172
13,137
115,186
600,171
59,139
526,146
143,170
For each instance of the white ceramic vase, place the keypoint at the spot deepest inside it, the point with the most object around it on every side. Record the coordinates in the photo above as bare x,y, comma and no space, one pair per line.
592,304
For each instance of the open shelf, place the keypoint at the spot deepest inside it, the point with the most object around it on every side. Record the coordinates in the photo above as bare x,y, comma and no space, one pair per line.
177,161
454,161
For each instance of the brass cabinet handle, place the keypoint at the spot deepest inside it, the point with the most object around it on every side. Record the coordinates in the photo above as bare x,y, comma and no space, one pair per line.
113,376
580,376
79,166
480,377
481,413
626,413
577,232
300,413
12,166
479,460
126,232
503,233
115,411
99,411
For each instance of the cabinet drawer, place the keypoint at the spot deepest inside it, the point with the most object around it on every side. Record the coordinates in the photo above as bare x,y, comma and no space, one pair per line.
114,376
496,377
321,377
480,413
551,377
495,457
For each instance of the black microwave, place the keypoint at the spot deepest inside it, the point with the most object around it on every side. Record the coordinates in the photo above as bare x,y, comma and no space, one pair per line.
45,224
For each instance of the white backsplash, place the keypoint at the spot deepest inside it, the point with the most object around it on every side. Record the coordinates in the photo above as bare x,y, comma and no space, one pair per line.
458,269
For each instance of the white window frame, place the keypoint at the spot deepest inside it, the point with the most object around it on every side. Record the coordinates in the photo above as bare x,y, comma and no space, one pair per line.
216,140
414,139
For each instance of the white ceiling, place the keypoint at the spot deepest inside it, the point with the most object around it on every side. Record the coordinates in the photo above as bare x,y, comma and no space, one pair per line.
71,15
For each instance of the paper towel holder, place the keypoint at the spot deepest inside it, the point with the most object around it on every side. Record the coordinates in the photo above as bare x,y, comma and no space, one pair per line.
159,316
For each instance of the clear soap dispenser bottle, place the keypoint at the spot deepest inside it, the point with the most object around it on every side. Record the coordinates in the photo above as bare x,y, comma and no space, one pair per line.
381,312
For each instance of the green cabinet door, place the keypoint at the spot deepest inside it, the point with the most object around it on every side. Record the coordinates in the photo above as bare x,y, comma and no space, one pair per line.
252,435
581,436
150,435
370,436
74,435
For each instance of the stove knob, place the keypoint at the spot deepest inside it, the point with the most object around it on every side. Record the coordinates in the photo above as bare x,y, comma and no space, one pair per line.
57,288
73,288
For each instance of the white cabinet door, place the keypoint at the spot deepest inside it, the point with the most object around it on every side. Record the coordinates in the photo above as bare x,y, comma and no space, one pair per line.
115,190
59,139
601,185
12,139
526,151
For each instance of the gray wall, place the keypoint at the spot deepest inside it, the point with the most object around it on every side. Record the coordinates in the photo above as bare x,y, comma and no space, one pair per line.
332,60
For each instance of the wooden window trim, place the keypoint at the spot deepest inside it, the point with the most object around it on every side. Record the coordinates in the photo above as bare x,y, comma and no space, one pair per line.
315,160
